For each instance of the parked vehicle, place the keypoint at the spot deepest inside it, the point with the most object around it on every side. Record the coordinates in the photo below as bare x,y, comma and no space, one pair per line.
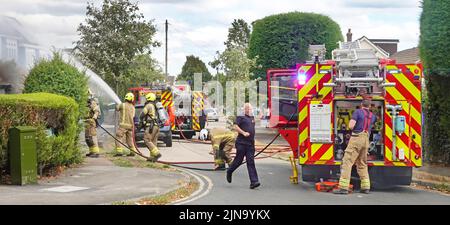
165,133
212,114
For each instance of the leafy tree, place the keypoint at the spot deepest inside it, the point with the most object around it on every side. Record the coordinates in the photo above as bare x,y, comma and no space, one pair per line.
434,49
57,77
193,65
144,70
111,37
235,63
234,60
238,34
282,40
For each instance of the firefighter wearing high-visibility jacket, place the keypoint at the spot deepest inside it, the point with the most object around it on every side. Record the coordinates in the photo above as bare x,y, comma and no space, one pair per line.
357,149
222,141
150,119
90,132
126,125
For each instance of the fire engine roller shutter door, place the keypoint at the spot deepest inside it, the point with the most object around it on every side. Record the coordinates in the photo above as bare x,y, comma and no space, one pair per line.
197,107
317,75
407,92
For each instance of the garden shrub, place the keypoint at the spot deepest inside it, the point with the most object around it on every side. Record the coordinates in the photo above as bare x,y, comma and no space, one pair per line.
45,112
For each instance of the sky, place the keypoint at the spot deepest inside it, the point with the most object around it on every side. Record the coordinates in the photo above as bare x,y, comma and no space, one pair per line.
200,27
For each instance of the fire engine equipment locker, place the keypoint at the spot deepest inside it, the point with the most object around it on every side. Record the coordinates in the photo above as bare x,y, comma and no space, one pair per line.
22,155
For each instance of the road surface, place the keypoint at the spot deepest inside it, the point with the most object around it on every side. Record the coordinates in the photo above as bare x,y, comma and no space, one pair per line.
276,188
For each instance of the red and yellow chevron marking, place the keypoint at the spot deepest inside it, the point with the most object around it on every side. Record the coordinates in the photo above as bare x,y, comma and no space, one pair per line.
167,99
197,107
407,92
313,92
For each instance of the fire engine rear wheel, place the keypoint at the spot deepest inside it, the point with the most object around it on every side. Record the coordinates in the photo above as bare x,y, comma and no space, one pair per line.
168,140
188,135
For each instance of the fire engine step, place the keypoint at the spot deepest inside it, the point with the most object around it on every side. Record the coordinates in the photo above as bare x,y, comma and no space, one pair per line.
380,177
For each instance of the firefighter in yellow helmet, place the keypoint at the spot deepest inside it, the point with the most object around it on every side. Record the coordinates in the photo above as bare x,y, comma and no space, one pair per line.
90,132
222,141
126,125
149,119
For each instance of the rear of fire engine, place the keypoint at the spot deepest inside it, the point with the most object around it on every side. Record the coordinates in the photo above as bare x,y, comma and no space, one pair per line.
183,106
312,105
189,109
164,95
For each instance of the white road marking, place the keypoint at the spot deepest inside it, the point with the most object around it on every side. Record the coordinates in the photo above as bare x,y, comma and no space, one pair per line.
65,189
193,196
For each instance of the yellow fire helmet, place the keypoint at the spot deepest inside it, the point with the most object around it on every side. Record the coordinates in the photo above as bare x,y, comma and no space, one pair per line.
129,97
150,97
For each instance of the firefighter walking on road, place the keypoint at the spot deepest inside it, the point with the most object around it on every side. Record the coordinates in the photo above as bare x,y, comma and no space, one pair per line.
90,132
222,141
149,117
126,125
357,149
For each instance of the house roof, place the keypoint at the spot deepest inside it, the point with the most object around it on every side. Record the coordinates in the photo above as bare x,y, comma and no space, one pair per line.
407,56
382,51
11,27
393,41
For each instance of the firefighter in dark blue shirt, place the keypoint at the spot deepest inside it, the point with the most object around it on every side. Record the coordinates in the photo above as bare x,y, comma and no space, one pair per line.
245,146
356,152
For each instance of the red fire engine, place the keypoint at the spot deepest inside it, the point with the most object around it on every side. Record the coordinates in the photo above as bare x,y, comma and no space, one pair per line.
312,104
185,120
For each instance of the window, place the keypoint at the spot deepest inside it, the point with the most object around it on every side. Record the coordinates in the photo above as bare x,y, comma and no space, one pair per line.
30,57
11,49
286,87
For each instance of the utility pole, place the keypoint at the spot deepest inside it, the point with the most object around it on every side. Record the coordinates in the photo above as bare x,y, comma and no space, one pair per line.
167,59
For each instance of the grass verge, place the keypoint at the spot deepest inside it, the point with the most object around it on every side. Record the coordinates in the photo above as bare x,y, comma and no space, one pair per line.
172,196
137,162
437,187
184,191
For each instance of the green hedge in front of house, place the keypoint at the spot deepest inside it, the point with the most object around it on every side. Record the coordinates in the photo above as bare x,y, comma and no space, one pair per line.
45,112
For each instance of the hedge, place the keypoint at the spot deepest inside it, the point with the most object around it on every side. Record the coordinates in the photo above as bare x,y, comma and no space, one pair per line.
44,111
58,77
281,41
434,50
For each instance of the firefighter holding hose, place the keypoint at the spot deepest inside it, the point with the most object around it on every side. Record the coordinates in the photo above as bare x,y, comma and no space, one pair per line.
222,141
356,151
126,125
150,122
90,132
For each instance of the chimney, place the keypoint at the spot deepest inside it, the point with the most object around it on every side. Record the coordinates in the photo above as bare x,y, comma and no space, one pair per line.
349,35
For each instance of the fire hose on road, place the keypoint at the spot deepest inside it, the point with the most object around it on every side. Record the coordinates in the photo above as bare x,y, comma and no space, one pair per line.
179,164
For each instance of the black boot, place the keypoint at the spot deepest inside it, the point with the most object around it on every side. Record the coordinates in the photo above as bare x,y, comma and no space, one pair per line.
364,191
229,175
340,191
220,167
157,157
254,185
92,155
